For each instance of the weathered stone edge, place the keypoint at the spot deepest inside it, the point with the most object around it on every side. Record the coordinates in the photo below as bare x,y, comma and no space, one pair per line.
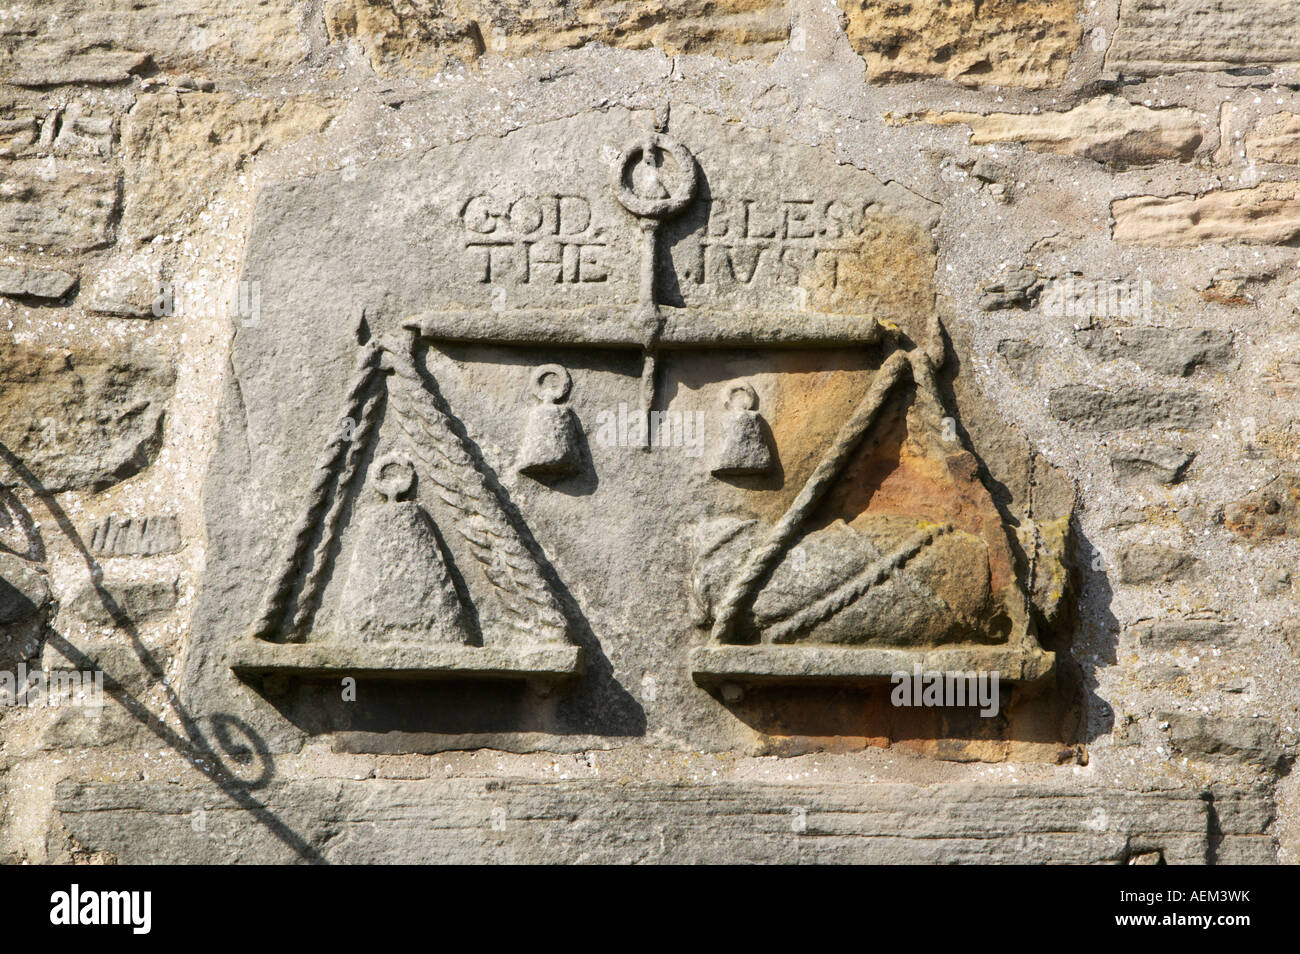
493,820
829,664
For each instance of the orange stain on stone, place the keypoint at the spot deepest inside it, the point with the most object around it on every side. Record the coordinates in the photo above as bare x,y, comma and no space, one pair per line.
903,468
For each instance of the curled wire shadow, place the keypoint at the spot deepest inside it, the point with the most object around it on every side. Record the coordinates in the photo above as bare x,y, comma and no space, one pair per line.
193,745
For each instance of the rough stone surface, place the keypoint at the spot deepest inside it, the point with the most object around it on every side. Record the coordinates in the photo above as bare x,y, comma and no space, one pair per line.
80,418
129,293
1014,290
1107,129
24,600
125,666
1152,563
35,282
18,133
124,602
202,139
1275,139
593,822
1233,286
1244,738
1177,351
54,42
1271,511
65,209
25,591
427,38
1128,406
1020,355
1266,214
1166,36
83,132
1001,43
968,334
1184,633
1161,463
1291,635
135,536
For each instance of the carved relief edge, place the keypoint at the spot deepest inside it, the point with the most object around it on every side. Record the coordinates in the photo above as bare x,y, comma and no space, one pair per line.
275,642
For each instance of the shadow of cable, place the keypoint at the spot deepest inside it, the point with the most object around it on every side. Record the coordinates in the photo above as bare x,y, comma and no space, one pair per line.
190,742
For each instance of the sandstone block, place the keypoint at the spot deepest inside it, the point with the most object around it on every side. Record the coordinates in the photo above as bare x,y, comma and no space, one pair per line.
56,42
24,282
1275,139
1165,36
200,139
1167,634
1159,463
470,820
428,38
1129,405
1242,738
123,602
66,208
1265,215
1174,351
1107,129
83,418
1001,43
1151,563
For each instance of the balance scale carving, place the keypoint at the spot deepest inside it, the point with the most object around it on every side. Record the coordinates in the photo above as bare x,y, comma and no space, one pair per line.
763,618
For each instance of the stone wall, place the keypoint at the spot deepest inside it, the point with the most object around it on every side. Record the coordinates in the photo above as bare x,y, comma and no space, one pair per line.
1099,203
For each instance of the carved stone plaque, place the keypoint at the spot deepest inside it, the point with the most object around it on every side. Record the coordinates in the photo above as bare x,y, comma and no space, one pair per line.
580,430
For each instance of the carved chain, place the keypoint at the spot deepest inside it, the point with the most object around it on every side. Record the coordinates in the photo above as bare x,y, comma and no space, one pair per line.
314,582
324,489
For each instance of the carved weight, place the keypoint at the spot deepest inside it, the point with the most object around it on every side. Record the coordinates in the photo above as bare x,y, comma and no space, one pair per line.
743,447
550,445
398,586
